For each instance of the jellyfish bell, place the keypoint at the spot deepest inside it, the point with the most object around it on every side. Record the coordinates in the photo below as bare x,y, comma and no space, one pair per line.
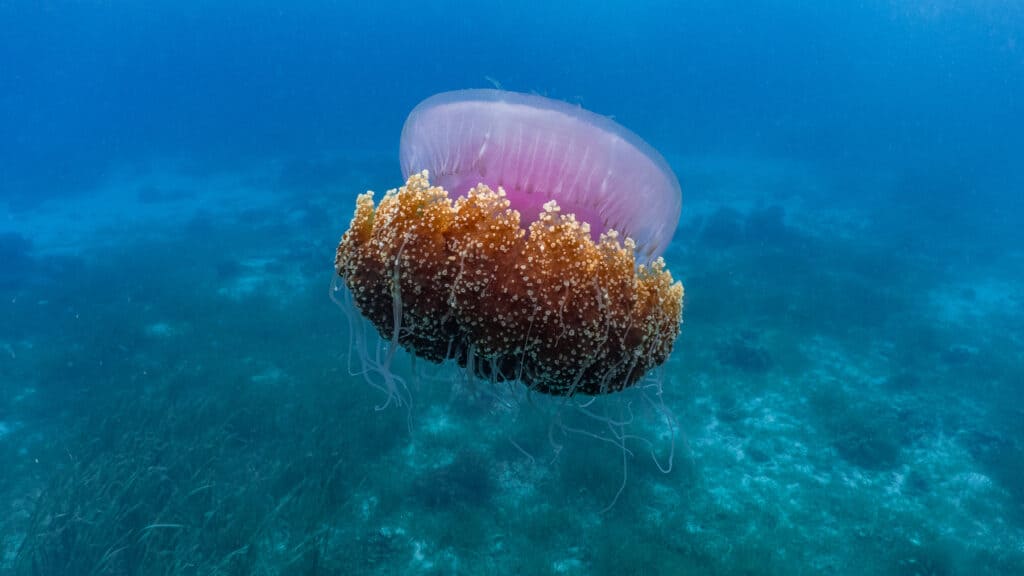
524,245
538,149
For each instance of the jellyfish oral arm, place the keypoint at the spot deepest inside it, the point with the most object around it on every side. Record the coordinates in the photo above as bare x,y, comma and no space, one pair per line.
549,306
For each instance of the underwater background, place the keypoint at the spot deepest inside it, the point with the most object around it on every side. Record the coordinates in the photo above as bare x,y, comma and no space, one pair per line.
176,388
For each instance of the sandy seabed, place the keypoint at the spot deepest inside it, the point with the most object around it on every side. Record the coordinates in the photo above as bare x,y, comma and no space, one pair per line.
175,397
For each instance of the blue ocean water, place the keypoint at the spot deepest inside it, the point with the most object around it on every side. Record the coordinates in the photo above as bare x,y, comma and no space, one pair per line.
176,385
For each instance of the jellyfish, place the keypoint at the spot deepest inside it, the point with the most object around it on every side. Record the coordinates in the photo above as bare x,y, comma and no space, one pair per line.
525,245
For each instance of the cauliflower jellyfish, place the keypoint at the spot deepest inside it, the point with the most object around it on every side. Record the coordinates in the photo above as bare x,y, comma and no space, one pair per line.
525,245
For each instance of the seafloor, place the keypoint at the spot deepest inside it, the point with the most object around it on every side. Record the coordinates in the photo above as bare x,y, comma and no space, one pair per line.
176,396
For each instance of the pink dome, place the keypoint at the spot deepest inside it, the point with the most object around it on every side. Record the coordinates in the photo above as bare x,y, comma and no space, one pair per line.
539,149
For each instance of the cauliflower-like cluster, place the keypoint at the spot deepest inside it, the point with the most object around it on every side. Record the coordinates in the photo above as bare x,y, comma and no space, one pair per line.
548,306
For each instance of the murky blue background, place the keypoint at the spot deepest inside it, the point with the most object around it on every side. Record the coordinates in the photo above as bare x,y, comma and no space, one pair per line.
175,392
